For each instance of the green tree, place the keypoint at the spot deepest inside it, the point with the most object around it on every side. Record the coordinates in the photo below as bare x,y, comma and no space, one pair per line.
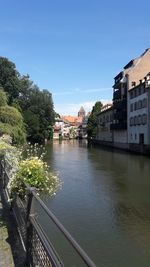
92,120
3,97
40,115
9,78
35,105
11,121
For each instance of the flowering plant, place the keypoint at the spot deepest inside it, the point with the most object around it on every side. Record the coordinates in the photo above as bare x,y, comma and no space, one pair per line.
32,170
35,173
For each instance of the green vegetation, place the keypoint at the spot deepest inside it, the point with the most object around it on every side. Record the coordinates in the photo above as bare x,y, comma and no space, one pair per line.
34,172
92,120
11,121
35,105
31,170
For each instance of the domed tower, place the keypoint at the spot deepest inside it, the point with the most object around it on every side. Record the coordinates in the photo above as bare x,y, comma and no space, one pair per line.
81,113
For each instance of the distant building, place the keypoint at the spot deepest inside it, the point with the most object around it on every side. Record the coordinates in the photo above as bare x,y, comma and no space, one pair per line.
63,129
82,128
70,119
81,113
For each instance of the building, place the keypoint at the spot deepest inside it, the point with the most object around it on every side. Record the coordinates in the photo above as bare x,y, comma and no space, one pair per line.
63,129
70,119
82,128
139,113
104,121
128,78
81,113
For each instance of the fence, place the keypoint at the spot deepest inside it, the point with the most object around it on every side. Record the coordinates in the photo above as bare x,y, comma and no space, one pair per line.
35,239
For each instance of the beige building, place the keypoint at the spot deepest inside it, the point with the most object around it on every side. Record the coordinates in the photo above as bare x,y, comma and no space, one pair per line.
104,120
128,78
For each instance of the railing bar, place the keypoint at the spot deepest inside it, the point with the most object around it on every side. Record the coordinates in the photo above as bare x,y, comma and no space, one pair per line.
45,242
72,241
20,235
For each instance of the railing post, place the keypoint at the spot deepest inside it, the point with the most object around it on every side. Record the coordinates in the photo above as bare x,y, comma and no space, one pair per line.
29,229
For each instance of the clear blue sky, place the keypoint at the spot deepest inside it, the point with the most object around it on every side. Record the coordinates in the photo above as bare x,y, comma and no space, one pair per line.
73,48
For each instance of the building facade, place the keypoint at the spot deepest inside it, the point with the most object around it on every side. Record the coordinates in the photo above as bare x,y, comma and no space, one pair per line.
104,121
139,113
128,78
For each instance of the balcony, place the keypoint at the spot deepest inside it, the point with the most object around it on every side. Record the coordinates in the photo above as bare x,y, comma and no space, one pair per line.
118,77
121,104
118,126
121,115
117,95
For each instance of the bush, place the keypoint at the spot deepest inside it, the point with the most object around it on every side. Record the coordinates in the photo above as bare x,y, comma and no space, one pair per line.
35,173
4,147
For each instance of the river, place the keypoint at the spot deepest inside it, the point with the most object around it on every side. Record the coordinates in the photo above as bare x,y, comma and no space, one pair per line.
104,202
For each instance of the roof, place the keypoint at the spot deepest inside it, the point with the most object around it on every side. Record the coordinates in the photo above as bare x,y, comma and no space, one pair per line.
106,108
69,118
130,65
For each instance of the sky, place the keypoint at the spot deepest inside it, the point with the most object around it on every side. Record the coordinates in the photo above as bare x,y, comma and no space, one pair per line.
73,48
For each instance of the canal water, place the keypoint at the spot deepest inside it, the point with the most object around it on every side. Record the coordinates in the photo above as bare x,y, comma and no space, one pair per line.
104,202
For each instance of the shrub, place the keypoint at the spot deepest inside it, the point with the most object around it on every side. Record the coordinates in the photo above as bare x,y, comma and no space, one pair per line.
4,147
35,173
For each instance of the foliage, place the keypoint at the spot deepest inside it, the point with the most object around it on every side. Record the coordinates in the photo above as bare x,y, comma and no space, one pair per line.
10,115
35,173
9,78
11,123
5,147
3,97
39,116
35,105
32,170
92,120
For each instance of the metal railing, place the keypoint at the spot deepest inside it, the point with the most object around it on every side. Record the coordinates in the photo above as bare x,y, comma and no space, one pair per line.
36,243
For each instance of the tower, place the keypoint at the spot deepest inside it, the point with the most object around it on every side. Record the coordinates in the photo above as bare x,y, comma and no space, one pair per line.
81,113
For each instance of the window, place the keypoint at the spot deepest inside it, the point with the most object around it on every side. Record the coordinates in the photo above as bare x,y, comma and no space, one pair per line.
144,103
131,121
140,104
135,93
135,120
131,107
144,119
131,94
135,105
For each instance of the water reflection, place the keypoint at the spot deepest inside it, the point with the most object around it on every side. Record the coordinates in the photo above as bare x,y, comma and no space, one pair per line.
104,202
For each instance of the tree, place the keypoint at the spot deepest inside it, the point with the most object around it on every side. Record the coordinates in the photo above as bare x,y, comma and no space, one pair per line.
40,115
11,121
9,78
92,120
3,97
35,105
